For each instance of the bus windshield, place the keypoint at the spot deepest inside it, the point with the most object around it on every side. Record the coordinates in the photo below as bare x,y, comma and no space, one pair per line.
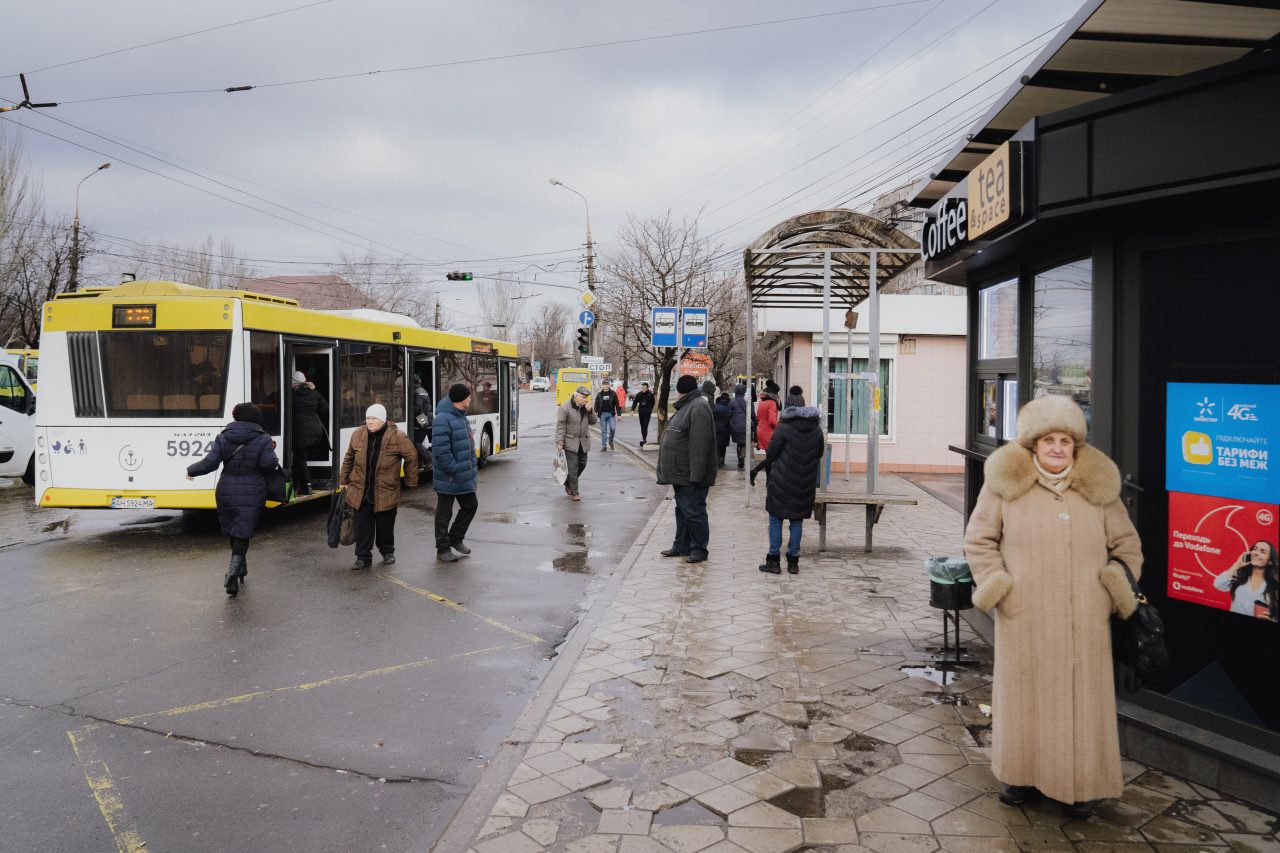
162,374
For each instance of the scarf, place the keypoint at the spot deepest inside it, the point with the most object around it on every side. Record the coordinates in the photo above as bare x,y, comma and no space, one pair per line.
1056,483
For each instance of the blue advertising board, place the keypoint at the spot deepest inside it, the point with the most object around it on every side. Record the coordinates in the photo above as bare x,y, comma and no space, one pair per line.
1219,439
663,327
693,328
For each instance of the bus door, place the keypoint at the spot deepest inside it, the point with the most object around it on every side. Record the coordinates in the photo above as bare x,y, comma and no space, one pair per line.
318,363
422,364
511,411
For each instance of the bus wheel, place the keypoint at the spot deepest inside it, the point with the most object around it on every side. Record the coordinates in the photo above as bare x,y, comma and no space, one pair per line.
486,447
29,476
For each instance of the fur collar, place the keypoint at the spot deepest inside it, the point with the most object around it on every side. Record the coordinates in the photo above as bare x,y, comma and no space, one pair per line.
799,412
1010,474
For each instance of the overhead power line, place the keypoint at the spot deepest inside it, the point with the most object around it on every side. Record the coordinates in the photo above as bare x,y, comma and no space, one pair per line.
173,38
507,56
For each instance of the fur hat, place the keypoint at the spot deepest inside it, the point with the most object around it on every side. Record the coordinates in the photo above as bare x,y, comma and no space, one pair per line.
458,392
1050,413
685,384
377,410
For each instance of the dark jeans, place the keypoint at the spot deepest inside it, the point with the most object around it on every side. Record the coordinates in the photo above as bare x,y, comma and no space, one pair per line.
577,460
693,528
301,473
447,536
371,525
239,547
644,426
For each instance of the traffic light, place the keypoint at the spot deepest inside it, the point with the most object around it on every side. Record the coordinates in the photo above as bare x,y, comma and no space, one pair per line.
584,340
458,276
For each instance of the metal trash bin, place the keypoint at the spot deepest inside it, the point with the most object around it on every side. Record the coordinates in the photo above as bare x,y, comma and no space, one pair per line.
950,583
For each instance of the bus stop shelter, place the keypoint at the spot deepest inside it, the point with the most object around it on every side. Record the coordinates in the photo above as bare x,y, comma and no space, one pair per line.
832,259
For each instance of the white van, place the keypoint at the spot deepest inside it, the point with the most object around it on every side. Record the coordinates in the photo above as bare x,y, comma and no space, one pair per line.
17,421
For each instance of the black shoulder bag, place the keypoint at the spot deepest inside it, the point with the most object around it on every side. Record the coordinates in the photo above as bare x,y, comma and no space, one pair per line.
1138,642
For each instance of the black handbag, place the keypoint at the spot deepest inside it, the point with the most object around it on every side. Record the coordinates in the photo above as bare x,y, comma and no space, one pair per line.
1138,642
277,484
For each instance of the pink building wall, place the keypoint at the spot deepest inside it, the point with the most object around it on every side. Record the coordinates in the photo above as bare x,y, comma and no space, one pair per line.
926,403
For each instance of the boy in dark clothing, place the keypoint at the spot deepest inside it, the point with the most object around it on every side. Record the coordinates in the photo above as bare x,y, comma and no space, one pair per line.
643,403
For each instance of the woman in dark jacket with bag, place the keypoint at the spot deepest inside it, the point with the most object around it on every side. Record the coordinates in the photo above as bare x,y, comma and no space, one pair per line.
794,458
371,473
246,454
738,422
722,415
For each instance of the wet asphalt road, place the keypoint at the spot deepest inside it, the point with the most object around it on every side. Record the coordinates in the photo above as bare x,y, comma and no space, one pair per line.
322,709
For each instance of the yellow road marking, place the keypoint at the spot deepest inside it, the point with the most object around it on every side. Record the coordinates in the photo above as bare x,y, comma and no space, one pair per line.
98,775
298,688
440,599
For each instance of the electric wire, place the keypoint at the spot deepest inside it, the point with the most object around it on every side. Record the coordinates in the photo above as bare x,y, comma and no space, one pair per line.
521,55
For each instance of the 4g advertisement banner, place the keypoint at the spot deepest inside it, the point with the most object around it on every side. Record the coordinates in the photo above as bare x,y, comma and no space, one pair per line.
1224,496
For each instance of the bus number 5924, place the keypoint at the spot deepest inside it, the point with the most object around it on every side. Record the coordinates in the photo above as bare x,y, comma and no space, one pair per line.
188,448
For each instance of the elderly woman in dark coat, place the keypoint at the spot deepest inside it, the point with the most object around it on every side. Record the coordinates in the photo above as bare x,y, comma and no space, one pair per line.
246,454
722,415
794,458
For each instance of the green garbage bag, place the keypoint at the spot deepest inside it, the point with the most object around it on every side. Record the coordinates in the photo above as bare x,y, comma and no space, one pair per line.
948,570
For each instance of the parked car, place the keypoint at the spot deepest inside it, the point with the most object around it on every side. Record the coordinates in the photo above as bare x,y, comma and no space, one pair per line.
17,425
540,383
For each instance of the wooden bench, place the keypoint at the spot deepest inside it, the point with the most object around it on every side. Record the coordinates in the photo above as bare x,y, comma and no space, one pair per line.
875,505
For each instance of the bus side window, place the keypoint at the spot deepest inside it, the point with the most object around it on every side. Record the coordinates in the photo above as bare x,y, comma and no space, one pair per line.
13,394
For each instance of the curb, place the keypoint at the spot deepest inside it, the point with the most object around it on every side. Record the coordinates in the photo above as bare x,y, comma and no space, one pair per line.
474,811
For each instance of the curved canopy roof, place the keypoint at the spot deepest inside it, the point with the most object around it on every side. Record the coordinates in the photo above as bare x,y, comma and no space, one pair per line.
784,266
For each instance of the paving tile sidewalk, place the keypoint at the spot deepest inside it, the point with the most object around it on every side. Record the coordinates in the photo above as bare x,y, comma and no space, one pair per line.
716,708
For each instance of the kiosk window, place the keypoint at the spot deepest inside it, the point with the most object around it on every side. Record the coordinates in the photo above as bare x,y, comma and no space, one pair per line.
998,321
1062,333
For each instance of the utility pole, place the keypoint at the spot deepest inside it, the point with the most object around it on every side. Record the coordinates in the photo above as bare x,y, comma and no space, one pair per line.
74,272
438,321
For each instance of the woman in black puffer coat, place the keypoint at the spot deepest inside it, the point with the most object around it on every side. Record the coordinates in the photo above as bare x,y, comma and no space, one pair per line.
245,452
721,414
794,458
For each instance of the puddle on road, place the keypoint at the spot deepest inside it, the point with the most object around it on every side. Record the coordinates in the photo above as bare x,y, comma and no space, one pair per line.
688,814
499,517
941,677
811,802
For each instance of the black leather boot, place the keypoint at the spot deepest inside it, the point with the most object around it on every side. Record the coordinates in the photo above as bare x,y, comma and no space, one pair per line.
232,580
793,564
1016,795
772,564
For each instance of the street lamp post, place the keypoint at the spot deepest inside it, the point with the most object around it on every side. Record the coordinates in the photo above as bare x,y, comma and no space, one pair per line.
591,258
74,273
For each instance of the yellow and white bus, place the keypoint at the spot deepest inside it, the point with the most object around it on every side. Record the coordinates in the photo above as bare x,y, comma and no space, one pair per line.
140,378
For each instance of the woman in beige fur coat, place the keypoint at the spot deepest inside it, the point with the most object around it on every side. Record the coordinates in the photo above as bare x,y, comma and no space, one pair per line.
1045,543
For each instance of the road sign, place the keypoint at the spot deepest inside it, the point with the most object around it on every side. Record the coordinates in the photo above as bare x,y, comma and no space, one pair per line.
586,299
663,327
601,367
693,328
537,367
592,359
586,318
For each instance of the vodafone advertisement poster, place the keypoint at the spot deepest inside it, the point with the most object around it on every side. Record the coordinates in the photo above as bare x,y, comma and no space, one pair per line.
1212,543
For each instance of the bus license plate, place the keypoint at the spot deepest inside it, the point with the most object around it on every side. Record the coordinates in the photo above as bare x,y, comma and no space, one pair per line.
133,503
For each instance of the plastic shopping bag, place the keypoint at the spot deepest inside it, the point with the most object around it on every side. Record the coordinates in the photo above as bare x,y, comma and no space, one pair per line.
560,468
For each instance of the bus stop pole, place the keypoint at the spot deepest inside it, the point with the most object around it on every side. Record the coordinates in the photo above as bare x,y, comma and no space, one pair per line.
746,426
826,362
873,367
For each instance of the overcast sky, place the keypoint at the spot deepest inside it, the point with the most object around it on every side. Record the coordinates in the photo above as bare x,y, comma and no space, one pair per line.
449,165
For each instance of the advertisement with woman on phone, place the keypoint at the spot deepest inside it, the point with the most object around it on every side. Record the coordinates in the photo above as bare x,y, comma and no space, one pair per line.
1223,553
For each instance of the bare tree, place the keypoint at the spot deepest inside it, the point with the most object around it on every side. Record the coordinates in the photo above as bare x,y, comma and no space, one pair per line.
203,265
36,274
661,262
545,338
502,301
22,227
396,285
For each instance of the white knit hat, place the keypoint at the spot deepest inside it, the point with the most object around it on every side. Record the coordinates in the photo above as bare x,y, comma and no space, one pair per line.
377,410
299,377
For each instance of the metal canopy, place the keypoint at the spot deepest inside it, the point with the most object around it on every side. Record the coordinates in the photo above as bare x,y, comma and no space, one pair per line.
811,259
1110,46
784,267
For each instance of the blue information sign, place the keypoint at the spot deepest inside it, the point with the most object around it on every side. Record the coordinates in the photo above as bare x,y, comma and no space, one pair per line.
663,327
586,318
693,328
1219,440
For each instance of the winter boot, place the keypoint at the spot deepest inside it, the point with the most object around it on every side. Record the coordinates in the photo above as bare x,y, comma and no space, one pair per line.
231,583
772,564
793,564
244,568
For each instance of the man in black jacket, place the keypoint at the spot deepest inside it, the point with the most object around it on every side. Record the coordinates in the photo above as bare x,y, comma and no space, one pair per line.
687,460
643,403
608,409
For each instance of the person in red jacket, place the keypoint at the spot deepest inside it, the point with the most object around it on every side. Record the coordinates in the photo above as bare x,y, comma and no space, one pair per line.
767,414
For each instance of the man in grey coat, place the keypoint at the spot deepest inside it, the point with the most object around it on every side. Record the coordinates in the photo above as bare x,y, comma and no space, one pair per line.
572,420
687,460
